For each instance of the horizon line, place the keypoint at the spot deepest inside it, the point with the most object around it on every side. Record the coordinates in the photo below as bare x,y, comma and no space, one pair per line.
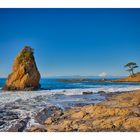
77,76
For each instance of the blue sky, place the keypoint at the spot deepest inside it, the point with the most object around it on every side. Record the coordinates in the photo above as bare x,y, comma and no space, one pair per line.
71,41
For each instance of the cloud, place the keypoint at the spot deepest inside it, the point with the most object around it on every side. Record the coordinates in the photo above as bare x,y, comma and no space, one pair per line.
103,74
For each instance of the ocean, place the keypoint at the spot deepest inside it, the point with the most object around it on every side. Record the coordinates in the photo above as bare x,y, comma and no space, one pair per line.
54,93
66,94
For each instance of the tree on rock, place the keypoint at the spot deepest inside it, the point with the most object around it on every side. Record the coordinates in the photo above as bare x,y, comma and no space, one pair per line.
131,66
24,75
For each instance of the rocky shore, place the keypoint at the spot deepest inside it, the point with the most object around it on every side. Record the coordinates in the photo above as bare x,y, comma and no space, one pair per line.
133,78
119,113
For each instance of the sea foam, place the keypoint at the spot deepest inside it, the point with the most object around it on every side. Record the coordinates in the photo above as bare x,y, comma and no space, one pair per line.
29,103
9,96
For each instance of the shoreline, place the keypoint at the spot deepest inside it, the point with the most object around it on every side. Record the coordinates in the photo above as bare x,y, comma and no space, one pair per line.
118,113
40,116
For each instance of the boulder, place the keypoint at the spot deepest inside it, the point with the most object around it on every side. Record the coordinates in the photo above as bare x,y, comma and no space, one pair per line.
87,92
101,92
78,115
25,75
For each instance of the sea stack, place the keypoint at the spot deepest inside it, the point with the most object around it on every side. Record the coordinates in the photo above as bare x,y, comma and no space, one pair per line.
25,75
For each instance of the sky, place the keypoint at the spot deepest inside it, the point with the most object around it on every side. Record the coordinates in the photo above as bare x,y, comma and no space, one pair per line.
87,42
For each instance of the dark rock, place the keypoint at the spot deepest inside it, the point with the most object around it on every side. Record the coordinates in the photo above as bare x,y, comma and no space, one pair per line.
45,113
87,92
20,126
2,122
102,93
8,115
23,124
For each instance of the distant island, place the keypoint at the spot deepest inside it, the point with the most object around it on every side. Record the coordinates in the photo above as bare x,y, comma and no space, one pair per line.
83,80
134,78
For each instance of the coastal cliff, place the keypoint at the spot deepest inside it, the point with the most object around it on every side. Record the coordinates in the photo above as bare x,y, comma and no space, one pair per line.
25,75
119,113
133,78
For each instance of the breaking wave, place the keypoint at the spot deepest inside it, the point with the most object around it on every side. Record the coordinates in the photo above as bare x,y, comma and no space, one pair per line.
25,106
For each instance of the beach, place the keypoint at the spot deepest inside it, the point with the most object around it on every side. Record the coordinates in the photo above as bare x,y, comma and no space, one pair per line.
21,111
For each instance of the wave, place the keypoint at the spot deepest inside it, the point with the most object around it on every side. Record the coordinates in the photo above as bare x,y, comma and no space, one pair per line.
10,96
106,89
29,103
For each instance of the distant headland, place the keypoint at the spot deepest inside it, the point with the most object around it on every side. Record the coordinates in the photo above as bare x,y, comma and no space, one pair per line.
131,78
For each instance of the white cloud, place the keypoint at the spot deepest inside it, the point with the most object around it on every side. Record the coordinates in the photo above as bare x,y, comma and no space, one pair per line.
103,74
